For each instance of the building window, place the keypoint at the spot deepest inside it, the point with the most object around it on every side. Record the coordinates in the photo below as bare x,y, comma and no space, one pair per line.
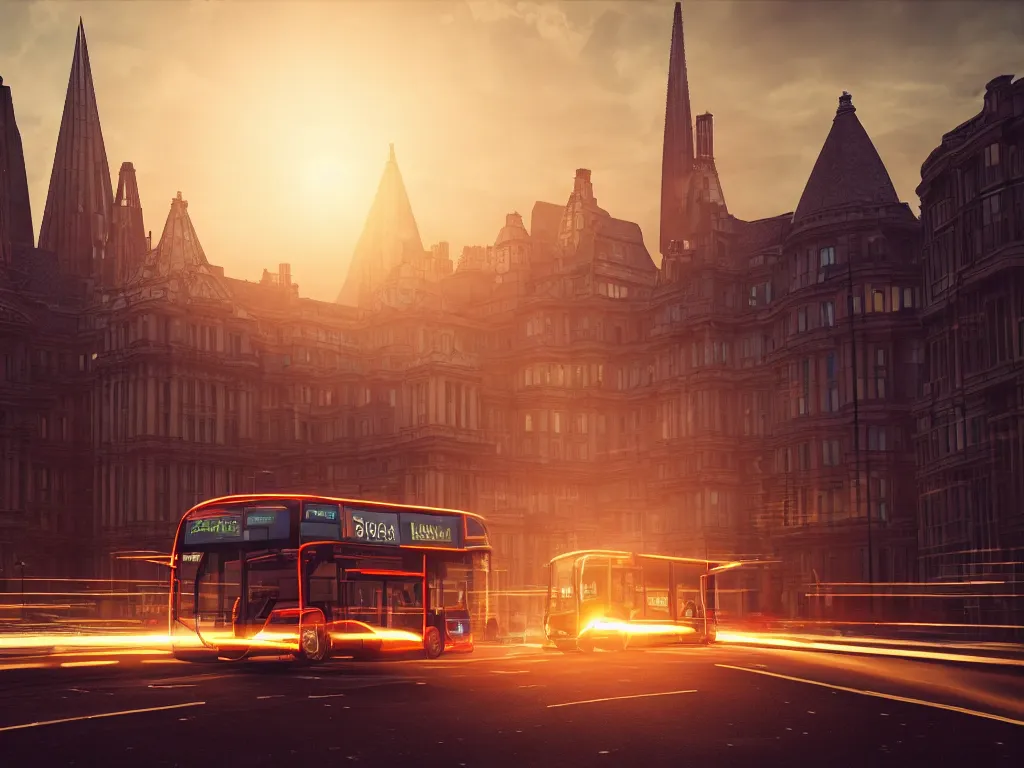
827,256
880,373
529,422
878,301
801,319
752,301
991,155
828,314
830,453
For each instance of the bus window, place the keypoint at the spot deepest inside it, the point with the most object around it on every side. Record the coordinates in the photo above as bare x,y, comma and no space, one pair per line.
456,586
625,584
273,584
218,586
594,578
405,605
563,596
656,604
687,578
364,601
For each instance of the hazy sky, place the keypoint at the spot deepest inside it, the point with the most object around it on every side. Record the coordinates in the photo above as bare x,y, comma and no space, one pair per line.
273,120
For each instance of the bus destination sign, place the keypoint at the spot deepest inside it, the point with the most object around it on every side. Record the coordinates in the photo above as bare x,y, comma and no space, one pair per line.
266,523
320,513
372,527
205,530
430,530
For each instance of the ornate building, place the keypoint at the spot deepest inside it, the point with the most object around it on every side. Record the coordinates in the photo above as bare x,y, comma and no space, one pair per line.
970,445
752,395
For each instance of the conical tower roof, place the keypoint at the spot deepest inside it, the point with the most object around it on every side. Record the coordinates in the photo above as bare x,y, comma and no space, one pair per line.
179,249
848,171
15,210
127,243
178,266
76,220
677,150
390,236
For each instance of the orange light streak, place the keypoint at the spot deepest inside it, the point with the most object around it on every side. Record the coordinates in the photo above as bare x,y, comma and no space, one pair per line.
620,698
738,638
103,714
97,663
891,697
24,641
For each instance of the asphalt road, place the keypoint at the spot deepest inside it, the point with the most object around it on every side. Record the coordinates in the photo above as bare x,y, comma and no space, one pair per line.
510,707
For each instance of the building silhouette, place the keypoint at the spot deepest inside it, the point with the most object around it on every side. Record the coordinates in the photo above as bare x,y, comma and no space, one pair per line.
760,392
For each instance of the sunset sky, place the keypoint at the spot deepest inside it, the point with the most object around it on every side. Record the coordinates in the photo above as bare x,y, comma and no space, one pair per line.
273,120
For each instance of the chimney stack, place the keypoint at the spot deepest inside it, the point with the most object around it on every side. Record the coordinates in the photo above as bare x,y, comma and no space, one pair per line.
706,136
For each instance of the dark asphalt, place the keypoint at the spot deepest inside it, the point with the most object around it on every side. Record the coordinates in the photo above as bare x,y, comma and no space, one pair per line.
521,707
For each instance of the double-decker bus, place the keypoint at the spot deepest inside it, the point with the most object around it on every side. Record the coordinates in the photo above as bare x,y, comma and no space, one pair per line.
607,599
312,576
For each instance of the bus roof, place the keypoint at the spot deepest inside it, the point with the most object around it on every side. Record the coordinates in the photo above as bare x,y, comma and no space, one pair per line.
242,497
623,554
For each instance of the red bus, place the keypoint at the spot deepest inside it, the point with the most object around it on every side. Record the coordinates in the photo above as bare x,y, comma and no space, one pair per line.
316,576
607,599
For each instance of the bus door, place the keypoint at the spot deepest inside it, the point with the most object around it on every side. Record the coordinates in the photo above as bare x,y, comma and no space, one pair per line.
215,591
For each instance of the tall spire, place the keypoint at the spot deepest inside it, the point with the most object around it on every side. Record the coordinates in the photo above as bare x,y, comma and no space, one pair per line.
15,211
390,237
848,170
677,152
77,217
127,246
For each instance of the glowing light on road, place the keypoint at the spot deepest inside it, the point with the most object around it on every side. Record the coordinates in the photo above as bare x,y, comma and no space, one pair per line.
877,694
96,663
775,641
620,698
100,715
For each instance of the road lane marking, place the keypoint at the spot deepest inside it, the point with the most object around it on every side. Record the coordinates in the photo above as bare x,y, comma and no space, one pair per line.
877,694
101,715
621,698
327,696
177,685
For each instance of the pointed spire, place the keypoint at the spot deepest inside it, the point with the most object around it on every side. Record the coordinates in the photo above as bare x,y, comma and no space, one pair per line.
390,237
76,220
677,151
848,171
16,231
179,249
127,243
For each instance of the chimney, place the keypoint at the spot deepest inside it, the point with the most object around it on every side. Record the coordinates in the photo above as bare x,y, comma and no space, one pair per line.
582,185
706,136
284,275
149,241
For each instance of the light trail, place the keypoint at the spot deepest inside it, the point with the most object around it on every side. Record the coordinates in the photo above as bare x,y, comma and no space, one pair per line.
97,663
101,715
737,638
621,698
877,694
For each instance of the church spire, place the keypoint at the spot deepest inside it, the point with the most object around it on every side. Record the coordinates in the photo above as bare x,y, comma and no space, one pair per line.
126,246
390,237
76,220
15,212
677,152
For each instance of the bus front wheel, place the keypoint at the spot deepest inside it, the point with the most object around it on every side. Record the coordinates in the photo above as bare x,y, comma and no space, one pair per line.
432,644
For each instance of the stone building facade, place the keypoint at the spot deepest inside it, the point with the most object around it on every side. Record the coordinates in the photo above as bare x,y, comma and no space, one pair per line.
752,394
969,441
